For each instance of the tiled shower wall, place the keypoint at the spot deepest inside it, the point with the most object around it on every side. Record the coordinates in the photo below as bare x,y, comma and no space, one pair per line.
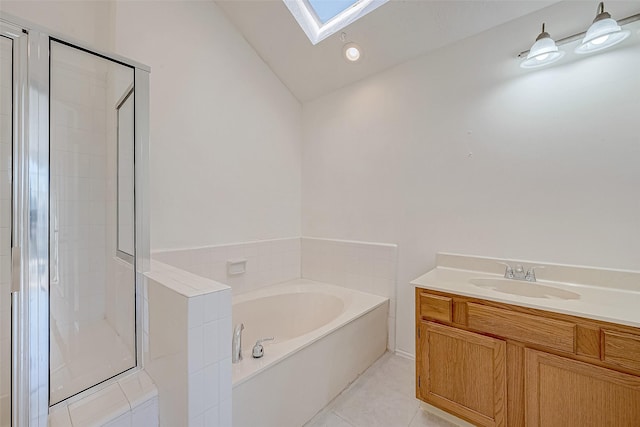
84,198
91,289
78,192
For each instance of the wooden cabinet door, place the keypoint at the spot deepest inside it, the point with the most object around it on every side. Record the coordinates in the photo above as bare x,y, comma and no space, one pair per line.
565,393
462,373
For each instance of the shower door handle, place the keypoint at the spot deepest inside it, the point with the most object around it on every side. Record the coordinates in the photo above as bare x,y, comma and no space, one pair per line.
15,269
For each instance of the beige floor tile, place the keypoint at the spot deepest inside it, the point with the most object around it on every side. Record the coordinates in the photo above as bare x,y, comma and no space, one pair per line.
427,419
328,419
373,404
384,395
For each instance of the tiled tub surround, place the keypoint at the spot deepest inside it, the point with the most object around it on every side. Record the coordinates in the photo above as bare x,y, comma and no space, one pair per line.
189,347
357,268
267,262
325,336
361,266
601,294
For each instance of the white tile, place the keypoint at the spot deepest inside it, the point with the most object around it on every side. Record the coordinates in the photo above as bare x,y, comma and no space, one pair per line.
195,395
218,254
225,413
197,421
212,417
224,338
235,251
250,250
211,307
60,417
146,415
202,270
100,407
195,348
195,309
224,301
211,385
138,388
201,255
225,379
212,344
121,421
219,271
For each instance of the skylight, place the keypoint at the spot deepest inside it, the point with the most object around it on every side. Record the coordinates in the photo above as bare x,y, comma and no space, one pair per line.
321,18
327,9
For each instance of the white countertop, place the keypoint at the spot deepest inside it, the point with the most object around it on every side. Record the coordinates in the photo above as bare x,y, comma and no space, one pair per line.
608,304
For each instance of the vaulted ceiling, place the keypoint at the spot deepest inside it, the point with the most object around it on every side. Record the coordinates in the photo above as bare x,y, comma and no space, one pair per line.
394,33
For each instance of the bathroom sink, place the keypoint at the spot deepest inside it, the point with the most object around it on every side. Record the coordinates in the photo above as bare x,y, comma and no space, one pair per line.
523,288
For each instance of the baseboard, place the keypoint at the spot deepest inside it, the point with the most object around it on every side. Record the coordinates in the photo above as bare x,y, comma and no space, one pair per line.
405,354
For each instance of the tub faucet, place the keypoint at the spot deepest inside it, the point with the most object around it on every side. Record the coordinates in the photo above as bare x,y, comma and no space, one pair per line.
236,344
258,349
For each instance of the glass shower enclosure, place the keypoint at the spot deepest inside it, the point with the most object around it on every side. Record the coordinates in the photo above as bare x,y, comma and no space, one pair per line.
74,237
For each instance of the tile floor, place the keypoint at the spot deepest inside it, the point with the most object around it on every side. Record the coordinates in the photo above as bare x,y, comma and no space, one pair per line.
384,395
86,355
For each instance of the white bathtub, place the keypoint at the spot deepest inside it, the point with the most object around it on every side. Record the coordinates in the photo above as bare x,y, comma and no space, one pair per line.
325,336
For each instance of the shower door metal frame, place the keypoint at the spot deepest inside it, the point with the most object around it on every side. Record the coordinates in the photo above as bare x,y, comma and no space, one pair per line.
30,304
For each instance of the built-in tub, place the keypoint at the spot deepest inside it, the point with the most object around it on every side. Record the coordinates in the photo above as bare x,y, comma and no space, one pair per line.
325,336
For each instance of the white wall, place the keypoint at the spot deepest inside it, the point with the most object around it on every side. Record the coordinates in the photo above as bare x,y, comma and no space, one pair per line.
225,132
553,176
90,22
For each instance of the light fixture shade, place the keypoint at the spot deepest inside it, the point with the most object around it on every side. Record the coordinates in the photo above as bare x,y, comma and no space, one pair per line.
603,33
543,52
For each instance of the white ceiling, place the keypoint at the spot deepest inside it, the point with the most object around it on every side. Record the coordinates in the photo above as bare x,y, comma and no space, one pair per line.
394,33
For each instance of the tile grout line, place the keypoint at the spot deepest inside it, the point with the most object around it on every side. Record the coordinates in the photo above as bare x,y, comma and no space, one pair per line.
415,414
343,419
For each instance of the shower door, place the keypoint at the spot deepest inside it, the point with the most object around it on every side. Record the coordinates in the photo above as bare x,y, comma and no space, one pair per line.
74,233
6,151
92,282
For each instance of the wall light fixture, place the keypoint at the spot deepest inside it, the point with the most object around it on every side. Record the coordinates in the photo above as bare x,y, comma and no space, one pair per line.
604,32
543,52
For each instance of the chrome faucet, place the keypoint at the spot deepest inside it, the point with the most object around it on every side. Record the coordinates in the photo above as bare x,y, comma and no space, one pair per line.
236,343
519,273
258,349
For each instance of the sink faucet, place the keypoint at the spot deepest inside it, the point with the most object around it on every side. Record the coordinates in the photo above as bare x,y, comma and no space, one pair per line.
236,344
519,273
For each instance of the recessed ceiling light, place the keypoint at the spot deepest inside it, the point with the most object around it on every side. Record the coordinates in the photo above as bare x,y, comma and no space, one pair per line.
352,52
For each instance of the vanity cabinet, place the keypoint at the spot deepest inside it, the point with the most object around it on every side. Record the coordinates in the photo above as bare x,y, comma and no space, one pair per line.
496,364
565,392
464,373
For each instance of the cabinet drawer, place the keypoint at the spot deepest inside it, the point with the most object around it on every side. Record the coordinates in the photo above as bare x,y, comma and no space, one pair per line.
621,349
435,307
526,328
